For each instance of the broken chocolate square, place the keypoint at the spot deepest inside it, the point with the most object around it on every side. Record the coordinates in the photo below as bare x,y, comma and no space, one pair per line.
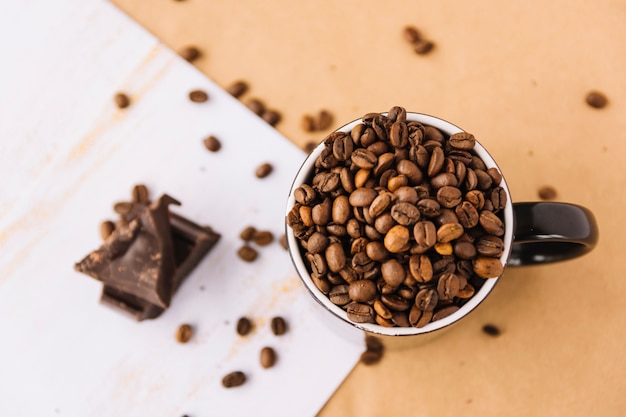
146,258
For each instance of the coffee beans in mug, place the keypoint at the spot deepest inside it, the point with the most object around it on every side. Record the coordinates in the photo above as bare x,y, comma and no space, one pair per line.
400,224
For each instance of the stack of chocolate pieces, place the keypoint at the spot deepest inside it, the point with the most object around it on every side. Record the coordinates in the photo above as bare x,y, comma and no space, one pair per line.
146,257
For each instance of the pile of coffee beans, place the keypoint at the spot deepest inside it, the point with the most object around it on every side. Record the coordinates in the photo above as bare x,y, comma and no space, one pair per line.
400,223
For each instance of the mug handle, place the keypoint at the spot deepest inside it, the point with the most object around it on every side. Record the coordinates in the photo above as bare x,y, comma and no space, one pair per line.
550,232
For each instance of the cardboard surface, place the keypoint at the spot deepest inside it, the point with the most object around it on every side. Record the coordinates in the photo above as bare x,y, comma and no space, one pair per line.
515,74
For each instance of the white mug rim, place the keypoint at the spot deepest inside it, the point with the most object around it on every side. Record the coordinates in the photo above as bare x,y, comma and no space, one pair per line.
296,257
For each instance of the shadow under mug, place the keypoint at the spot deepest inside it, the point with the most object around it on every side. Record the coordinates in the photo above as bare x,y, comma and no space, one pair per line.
535,233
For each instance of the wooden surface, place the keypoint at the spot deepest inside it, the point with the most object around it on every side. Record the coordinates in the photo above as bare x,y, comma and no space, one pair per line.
513,73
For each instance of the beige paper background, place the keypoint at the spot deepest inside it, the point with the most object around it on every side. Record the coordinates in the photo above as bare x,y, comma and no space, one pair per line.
513,73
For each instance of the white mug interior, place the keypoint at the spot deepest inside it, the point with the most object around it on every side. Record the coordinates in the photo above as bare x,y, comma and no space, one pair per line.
304,175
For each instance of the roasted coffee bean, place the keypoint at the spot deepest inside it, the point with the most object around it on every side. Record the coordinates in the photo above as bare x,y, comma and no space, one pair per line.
596,99
382,225
467,214
491,330
347,180
106,228
123,207
471,180
449,197
267,357
307,123
321,282
189,53
464,250
498,198
400,318
211,143
237,89
429,207
361,177
398,134
363,158
397,239
278,326
247,233
406,194
360,313
361,263
272,117
448,216
421,268
444,265
326,159
362,290
410,170
443,249
262,237
323,120
397,181
445,312
487,267
495,175
335,257
382,310
466,292
435,163
244,326
247,253
547,192
411,34
342,147
463,140
395,302
234,379
484,179
449,232
140,194
378,124
369,357
362,197
405,214
380,204
419,318
304,194
491,223
256,105
306,216
408,292
376,251
476,198
444,179
385,161
183,333
317,243
264,170
425,235
339,295
321,213
198,96
326,182
448,286
426,299
393,272
121,100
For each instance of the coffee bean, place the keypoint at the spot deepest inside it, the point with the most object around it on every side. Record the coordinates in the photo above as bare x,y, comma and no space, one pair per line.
467,214
490,246
422,47
425,235
339,295
445,312
256,105
448,286
271,116
487,267
498,198
369,357
547,192
465,250
324,120
244,326
443,249
421,268
449,197
237,89
264,170
596,99
462,140
106,228
419,318
121,100
183,334
234,379
491,330
405,214
212,143
397,239
426,299
360,313
410,170
263,237
362,197
393,272
123,207
491,223
189,53
247,253
397,114
449,232
247,233
363,158
198,96
444,179
362,290
278,326
495,175
267,357
304,194
395,302
411,34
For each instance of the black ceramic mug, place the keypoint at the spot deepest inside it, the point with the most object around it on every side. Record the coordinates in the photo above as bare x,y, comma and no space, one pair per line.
535,233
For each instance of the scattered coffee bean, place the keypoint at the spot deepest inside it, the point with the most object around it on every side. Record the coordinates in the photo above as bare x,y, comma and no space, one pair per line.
234,379
491,330
400,223
256,106
106,228
189,53
307,123
271,116
278,326
123,207
198,96
247,233
596,99
322,121
140,194
310,146
212,143
422,47
237,89
247,253
411,35
121,100
267,357
283,242
263,237
264,170
244,326
547,192
374,350
183,334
